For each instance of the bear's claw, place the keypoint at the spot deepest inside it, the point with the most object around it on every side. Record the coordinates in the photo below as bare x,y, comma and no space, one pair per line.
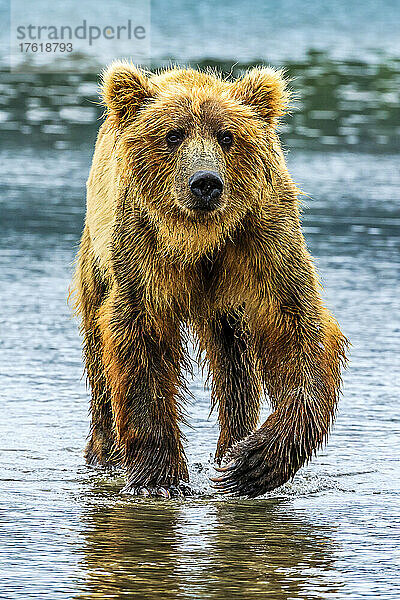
229,467
254,468
173,491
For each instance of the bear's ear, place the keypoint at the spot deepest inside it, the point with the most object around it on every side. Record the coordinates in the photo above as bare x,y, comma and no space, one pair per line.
265,90
124,88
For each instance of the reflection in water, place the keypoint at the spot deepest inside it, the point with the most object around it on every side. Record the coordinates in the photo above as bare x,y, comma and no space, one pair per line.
130,548
199,549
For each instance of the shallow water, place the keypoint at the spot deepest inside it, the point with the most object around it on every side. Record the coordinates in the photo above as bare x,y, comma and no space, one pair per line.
65,529
67,532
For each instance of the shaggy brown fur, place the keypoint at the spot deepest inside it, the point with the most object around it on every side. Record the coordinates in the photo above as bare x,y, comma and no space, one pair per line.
239,275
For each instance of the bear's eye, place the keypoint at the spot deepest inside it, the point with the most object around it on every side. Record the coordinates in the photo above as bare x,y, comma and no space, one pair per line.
175,137
225,138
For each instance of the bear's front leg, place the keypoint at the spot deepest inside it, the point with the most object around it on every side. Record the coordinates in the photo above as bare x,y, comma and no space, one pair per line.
301,358
142,366
236,388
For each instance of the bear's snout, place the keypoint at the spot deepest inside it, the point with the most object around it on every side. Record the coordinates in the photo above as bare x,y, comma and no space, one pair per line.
206,188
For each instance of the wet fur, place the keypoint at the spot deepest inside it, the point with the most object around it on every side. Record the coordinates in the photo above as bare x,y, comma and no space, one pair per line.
241,278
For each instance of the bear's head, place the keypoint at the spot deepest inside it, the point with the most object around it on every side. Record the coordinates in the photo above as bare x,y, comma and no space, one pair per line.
196,152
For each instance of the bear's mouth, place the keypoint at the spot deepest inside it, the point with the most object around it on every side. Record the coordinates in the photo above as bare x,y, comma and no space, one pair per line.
203,207
196,210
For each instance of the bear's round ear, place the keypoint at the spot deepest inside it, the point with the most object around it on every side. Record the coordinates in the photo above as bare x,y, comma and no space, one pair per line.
124,88
265,90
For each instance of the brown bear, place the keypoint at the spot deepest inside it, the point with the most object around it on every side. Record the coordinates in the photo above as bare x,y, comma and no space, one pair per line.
193,223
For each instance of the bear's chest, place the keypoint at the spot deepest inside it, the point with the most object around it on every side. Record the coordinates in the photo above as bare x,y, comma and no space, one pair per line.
214,283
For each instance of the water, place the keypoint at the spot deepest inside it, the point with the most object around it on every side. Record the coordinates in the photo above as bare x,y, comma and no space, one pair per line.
351,104
66,532
274,30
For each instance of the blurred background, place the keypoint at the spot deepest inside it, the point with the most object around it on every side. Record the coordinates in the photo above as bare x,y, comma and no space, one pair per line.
65,530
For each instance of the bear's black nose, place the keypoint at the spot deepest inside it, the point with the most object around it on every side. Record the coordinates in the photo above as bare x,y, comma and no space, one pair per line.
207,186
